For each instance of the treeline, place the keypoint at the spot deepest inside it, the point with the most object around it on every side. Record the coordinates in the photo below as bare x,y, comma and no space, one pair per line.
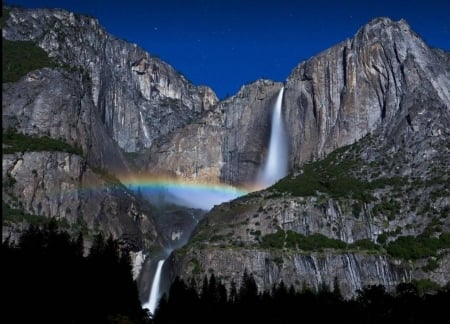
17,142
213,303
46,278
404,247
21,57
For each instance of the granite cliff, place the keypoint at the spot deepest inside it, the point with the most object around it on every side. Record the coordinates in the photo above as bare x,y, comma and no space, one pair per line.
226,145
368,124
382,98
369,83
137,96
61,185
102,96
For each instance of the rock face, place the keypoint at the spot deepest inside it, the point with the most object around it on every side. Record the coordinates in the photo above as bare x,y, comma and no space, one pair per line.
108,97
352,270
138,96
61,185
57,103
369,196
365,84
226,145
370,83
386,93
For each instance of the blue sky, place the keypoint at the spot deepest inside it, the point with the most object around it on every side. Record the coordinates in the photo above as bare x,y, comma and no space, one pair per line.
227,43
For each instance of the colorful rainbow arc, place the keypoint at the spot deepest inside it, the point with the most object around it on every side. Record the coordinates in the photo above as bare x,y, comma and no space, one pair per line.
202,195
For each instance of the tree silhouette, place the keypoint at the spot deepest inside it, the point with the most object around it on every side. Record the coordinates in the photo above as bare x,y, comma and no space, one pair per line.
372,304
248,292
49,268
61,285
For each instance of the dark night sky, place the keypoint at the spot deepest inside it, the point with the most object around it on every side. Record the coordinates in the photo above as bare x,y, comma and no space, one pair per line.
228,43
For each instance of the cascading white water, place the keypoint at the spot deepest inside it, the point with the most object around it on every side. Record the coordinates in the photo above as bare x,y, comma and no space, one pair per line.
276,164
154,292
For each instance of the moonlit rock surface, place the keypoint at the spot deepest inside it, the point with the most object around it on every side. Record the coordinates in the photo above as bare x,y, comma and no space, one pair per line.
138,260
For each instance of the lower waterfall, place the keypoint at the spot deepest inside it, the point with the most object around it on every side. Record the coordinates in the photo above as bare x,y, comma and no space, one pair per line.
154,292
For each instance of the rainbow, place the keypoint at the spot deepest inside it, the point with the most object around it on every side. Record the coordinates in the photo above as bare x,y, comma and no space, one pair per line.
187,193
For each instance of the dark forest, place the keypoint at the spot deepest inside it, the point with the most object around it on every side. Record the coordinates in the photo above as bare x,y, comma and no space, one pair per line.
46,278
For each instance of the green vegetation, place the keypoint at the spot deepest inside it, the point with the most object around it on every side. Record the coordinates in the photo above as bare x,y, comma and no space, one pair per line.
4,17
196,267
418,247
365,244
382,238
16,142
328,175
11,215
432,264
390,208
293,240
426,286
333,175
405,247
356,209
18,215
21,57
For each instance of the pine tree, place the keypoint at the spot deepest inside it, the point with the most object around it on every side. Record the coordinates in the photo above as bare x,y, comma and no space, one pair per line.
233,293
248,291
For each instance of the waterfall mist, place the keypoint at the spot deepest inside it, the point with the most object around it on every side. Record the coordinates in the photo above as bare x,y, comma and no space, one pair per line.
275,166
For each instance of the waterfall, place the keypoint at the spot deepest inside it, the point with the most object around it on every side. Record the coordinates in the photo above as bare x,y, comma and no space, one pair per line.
154,292
276,165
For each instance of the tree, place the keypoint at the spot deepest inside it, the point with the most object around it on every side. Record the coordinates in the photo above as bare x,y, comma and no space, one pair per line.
233,293
376,303
336,288
248,291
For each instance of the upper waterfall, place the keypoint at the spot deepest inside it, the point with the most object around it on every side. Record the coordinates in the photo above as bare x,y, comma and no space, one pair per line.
275,166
